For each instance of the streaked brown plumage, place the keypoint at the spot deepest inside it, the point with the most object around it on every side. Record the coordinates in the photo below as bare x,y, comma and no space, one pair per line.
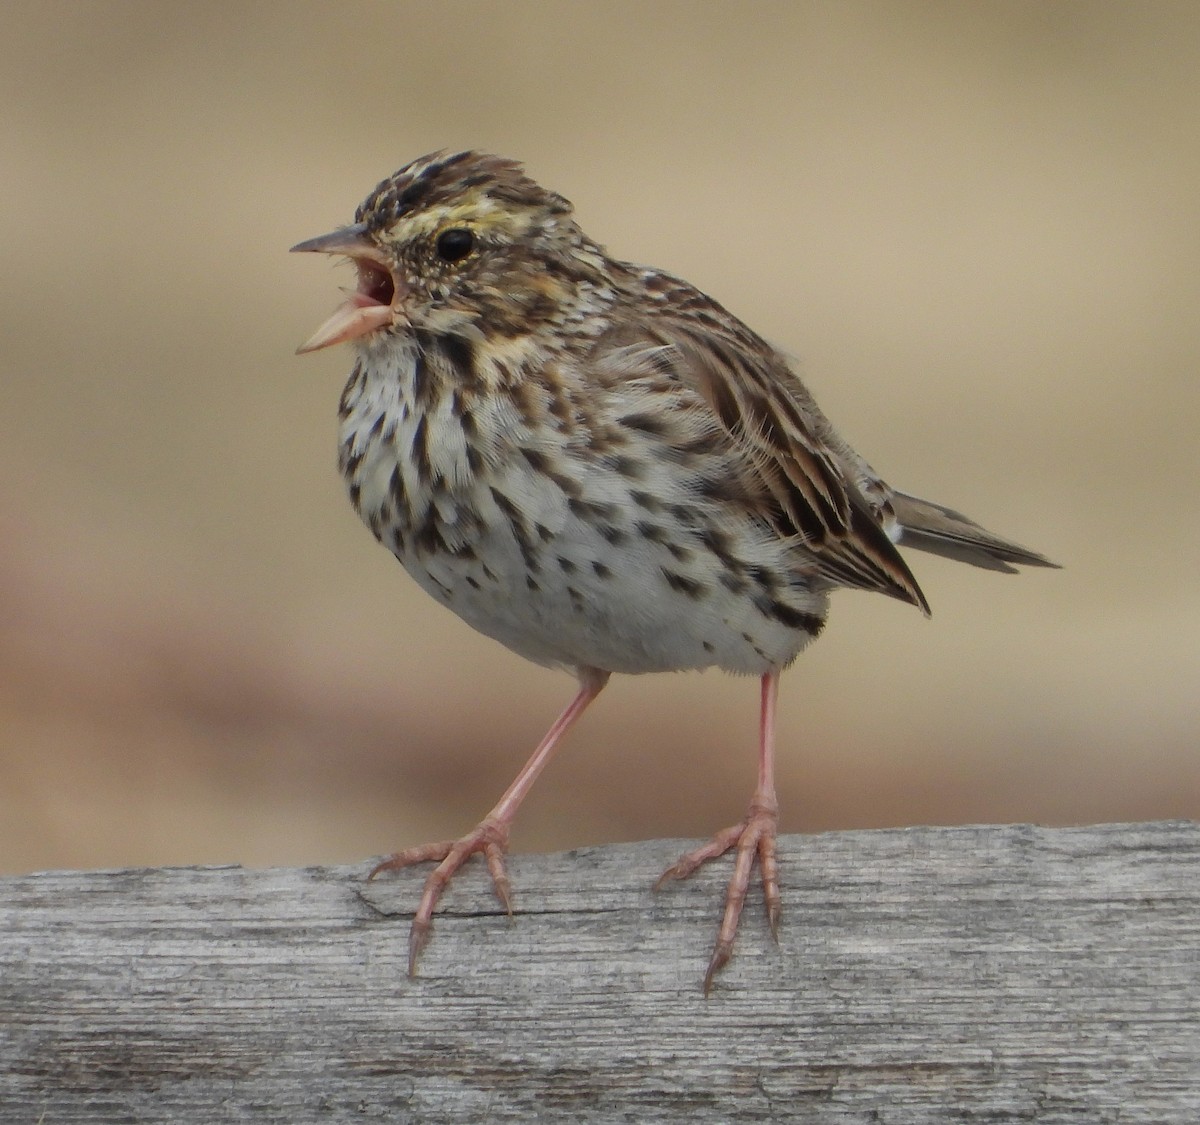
599,466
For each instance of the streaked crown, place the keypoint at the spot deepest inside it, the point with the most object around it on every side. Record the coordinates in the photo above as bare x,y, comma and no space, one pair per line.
438,180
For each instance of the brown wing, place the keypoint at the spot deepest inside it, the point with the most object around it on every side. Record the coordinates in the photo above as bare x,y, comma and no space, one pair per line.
778,427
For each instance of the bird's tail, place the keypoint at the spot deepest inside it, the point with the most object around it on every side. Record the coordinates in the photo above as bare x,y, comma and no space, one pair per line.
941,531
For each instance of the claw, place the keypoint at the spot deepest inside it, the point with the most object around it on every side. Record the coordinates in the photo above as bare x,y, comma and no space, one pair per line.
488,838
490,835
720,958
690,862
754,838
423,853
418,939
501,884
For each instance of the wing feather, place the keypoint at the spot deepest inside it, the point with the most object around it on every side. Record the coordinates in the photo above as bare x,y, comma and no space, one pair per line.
806,489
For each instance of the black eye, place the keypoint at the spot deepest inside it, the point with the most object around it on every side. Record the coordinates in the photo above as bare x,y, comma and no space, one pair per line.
454,245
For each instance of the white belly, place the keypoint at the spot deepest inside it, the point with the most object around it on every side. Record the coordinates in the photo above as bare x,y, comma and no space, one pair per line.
574,567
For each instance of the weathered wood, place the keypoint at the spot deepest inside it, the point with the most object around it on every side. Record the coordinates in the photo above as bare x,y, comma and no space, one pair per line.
924,975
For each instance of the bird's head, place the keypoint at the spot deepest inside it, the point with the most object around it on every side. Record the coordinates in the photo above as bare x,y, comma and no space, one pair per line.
461,244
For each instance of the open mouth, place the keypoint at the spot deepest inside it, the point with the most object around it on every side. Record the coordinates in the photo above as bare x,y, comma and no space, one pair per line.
372,304
374,283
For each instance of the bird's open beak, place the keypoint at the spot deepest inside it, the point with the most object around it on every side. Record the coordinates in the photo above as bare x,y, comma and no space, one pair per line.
372,305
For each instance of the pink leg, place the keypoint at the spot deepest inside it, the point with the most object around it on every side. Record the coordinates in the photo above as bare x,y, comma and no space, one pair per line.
490,836
754,836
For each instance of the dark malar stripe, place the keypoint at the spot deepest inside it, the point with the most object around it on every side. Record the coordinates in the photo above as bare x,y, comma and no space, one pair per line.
422,382
461,357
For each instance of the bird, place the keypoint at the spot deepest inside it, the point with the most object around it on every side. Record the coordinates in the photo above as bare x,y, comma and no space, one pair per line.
597,465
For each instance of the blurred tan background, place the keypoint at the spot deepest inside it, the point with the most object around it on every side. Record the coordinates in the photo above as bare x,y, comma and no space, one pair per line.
976,226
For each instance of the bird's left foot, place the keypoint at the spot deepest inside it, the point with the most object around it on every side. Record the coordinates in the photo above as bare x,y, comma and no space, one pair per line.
753,837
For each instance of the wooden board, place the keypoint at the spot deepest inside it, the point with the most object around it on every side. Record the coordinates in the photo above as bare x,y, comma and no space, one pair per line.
924,975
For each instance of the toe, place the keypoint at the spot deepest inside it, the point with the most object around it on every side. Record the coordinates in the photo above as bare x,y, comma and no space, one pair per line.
688,863
418,938
501,883
423,853
754,840
722,952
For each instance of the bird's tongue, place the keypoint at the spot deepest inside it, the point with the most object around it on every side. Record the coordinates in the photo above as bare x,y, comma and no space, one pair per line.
359,314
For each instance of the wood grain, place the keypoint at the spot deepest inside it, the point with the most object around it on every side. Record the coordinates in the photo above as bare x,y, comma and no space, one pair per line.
924,975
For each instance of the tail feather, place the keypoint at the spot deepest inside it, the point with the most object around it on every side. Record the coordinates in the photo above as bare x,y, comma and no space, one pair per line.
942,531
